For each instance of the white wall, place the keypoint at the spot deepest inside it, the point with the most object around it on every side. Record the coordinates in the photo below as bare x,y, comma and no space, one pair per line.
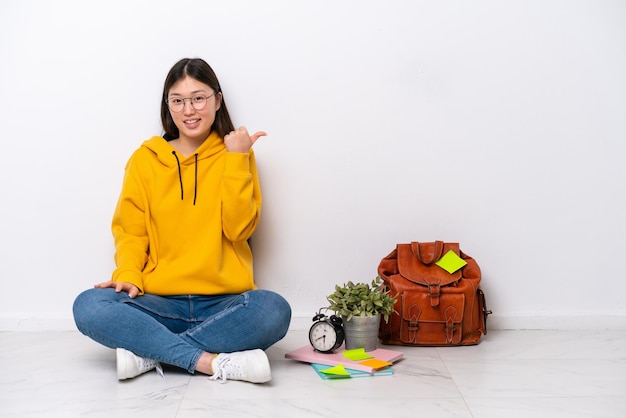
496,124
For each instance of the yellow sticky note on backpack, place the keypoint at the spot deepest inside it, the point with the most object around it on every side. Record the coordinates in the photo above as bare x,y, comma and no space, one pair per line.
451,262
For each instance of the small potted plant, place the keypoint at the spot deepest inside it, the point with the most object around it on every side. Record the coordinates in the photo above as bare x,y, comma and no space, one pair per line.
361,307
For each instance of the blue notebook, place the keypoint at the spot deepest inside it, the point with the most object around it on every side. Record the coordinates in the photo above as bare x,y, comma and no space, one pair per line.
353,373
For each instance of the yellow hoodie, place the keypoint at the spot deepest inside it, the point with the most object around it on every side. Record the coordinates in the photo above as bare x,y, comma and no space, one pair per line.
181,224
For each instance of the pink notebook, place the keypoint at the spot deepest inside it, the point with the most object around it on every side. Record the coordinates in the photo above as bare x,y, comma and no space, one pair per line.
309,355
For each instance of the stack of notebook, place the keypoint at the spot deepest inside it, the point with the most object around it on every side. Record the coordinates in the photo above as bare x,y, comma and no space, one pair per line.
348,363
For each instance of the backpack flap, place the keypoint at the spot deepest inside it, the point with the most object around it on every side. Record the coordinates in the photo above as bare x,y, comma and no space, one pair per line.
416,263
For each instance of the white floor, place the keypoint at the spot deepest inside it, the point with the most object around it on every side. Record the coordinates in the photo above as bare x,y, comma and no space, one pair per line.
509,374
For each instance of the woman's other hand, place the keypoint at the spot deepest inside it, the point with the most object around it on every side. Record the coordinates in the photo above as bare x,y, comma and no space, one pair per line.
131,289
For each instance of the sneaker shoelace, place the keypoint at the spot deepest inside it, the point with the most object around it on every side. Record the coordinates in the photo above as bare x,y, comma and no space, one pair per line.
224,369
147,364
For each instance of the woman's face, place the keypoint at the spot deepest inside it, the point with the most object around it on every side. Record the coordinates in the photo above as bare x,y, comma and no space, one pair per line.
194,124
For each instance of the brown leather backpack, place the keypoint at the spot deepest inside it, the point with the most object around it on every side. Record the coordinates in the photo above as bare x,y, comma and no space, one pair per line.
434,307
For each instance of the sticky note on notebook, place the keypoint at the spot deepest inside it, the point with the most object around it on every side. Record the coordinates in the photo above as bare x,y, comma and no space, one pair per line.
375,363
451,262
356,354
336,371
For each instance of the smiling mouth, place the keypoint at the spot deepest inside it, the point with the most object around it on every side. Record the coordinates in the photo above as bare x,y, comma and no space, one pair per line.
190,122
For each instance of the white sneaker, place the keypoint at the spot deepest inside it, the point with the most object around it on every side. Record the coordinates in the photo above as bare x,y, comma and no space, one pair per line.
251,366
129,365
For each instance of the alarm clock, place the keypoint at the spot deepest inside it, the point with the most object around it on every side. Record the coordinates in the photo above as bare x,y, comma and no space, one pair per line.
326,333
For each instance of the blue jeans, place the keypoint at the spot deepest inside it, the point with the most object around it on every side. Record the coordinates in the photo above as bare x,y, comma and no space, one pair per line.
177,330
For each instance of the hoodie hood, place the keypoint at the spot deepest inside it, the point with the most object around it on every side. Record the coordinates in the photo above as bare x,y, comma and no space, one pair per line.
164,151
170,158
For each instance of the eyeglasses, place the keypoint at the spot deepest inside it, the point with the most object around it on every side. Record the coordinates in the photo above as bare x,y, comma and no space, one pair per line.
198,102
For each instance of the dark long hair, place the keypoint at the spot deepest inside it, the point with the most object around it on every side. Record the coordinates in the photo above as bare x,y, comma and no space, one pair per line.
199,70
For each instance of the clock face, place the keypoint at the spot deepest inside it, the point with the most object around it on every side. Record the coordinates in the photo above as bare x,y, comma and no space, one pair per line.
323,336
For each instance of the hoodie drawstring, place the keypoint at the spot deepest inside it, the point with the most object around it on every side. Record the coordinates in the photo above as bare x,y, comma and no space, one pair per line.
195,184
180,178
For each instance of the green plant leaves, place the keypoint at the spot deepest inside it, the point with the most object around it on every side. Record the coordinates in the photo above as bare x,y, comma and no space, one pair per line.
362,299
